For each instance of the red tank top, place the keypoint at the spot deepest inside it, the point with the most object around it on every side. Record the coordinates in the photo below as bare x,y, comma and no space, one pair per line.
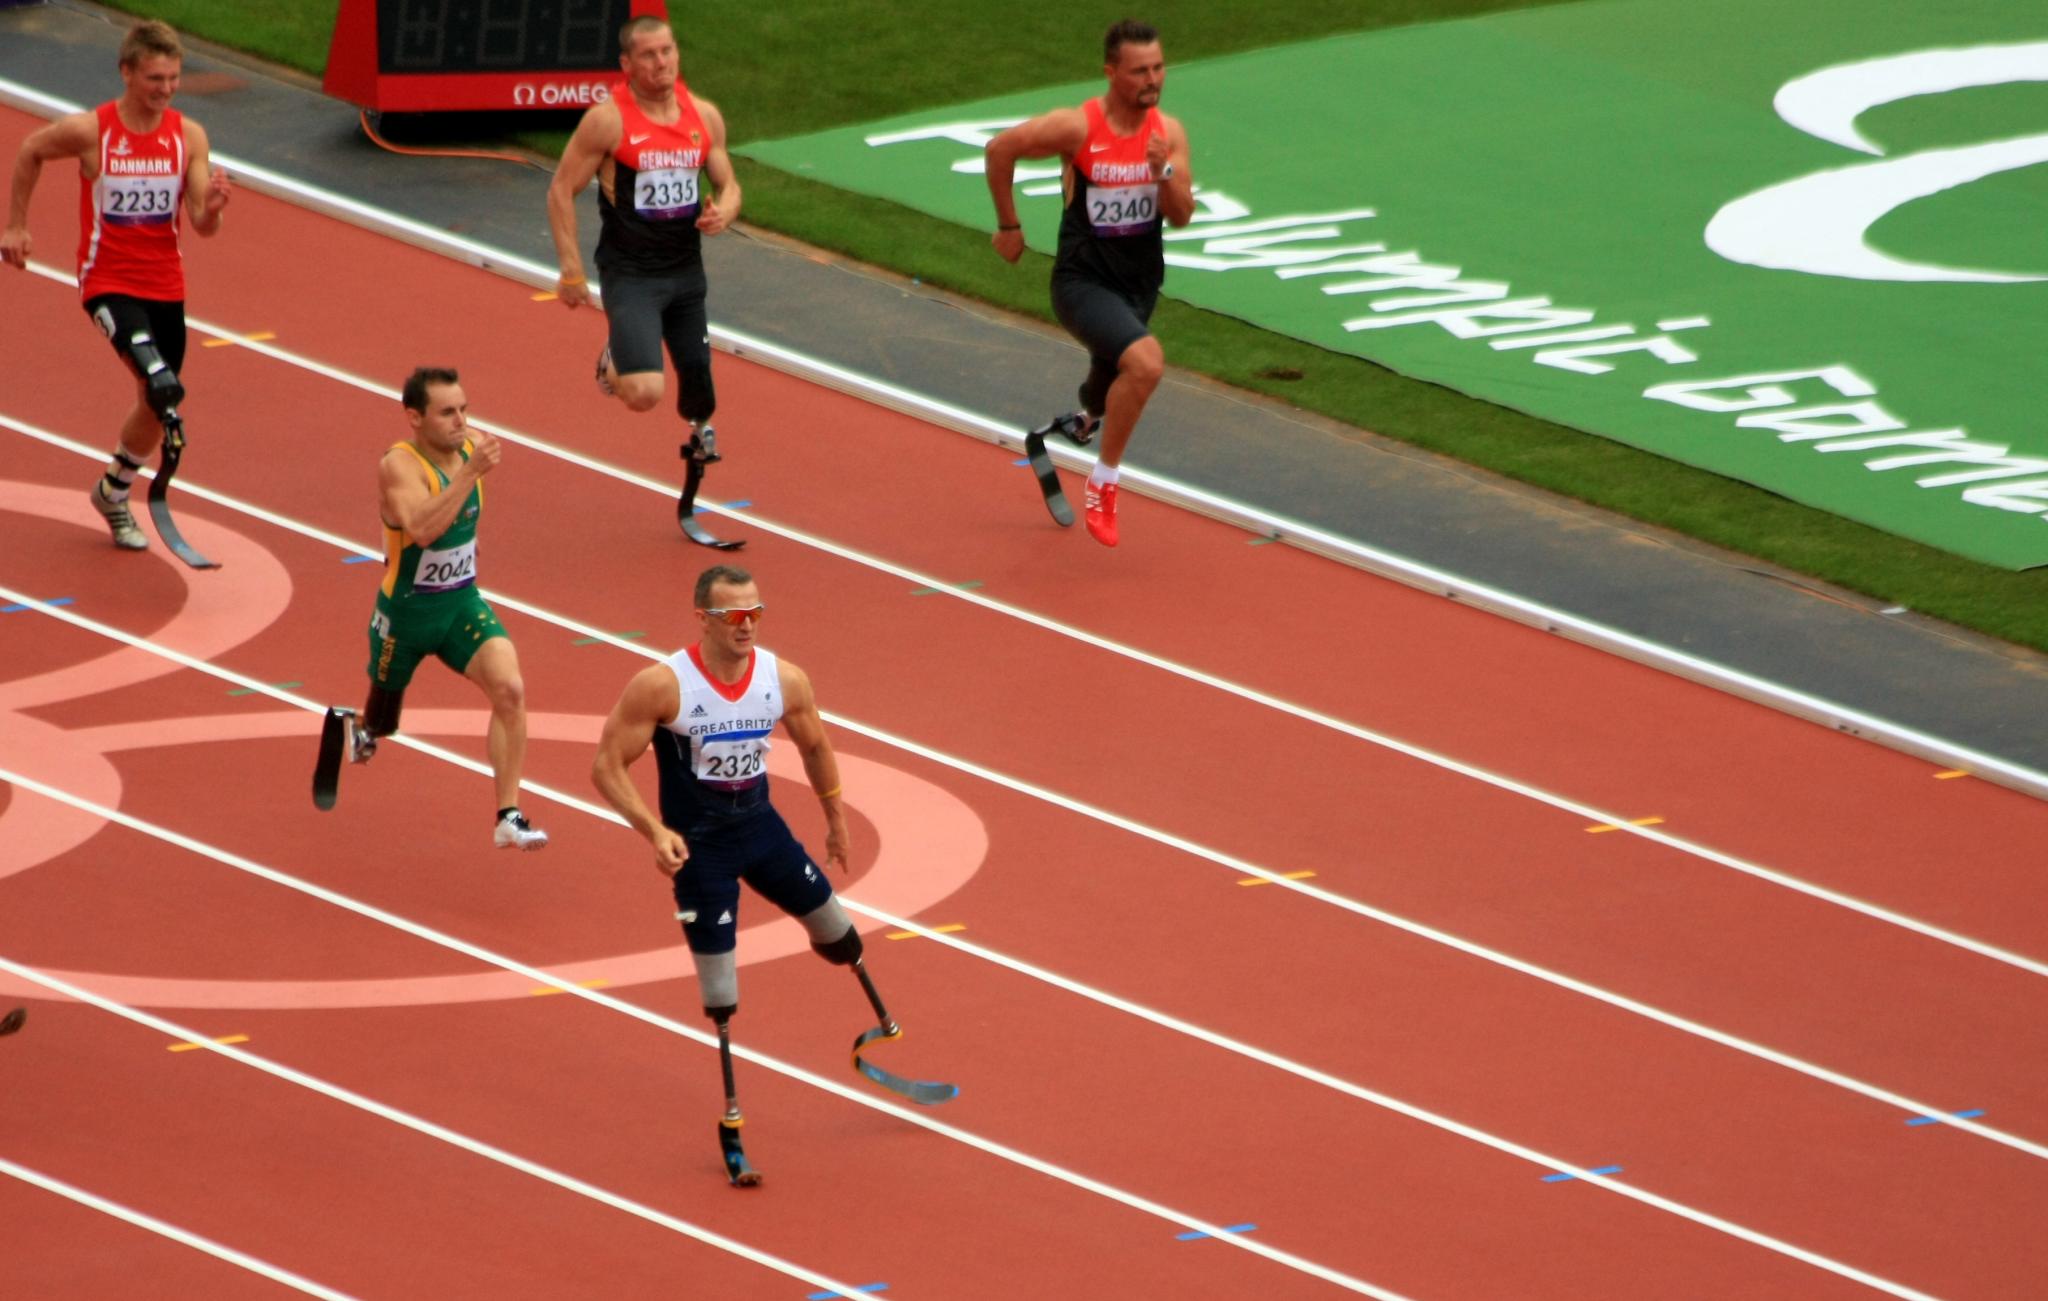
128,216
1120,191
1109,230
666,160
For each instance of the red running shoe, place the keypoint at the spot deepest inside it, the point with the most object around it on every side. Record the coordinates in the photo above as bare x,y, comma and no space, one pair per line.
1101,503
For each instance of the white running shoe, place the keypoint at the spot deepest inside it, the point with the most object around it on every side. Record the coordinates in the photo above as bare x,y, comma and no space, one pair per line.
515,832
119,521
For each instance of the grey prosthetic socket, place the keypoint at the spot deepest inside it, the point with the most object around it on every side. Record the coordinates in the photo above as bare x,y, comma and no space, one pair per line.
833,937
161,388
718,980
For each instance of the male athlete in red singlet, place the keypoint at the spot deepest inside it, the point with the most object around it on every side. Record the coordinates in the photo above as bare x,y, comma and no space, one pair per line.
652,146
1126,167
142,165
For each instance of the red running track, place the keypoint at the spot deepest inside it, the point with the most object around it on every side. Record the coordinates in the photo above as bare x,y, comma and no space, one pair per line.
1077,760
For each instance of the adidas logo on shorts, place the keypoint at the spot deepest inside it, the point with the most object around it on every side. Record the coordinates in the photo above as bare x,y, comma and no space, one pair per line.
725,918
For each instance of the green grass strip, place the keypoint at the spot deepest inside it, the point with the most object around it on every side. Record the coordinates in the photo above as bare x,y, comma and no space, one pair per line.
791,67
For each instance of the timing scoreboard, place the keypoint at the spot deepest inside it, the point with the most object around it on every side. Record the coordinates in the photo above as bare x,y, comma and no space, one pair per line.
419,56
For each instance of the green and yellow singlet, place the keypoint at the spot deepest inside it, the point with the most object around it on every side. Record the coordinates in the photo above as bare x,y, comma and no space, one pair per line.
449,565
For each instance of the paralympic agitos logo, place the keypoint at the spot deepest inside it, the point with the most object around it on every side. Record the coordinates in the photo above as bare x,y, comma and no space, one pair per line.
1819,223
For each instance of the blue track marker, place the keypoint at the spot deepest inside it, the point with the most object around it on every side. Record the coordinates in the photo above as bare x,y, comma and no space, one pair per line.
17,609
741,504
834,1296
359,560
1024,461
1971,1114
1197,1235
1561,1177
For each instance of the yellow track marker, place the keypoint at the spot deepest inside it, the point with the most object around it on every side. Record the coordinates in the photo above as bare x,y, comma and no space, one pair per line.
544,296
1616,826
221,1039
1950,775
261,336
947,929
541,991
1289,876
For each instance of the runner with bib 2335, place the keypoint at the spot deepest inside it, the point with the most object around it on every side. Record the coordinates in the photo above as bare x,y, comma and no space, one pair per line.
664,181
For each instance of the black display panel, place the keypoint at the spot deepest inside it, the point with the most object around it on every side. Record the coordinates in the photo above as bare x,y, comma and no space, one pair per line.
424,36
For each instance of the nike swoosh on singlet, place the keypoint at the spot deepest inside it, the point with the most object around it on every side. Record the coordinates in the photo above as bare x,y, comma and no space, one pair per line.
638,139
1096,149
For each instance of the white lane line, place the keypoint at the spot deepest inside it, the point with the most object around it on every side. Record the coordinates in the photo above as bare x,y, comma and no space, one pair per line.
537,975
417,1124
188,1238
1192,848
1580,811
1387,564
1387,1102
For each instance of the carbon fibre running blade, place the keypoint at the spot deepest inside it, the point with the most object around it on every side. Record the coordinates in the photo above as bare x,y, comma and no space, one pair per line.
12,1021
327,771
703,537
1048,479
160,506
737,1169
925,1093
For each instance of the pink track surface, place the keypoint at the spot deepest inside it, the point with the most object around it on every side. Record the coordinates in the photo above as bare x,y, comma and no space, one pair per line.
1470,984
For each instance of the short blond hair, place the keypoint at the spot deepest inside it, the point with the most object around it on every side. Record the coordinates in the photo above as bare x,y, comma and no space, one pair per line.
636,28
148,39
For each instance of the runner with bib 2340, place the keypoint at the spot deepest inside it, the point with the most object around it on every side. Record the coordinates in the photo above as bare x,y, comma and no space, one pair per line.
1126,169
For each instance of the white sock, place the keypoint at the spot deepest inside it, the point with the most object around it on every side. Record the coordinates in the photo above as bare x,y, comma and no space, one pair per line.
120,475
1103,474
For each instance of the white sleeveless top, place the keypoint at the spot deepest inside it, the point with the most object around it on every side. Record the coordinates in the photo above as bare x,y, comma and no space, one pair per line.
722,739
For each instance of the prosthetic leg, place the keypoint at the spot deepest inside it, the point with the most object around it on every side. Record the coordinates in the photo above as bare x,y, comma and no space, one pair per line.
700,451
718,978
846,952
163,391
341,731
738,1171
1048,477
1077,427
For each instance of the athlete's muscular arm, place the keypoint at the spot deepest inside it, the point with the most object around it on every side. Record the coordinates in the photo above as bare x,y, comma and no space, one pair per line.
1176,192
724,210
1060,132
800,719
206,190
649,700
408,499
71,136
596,136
